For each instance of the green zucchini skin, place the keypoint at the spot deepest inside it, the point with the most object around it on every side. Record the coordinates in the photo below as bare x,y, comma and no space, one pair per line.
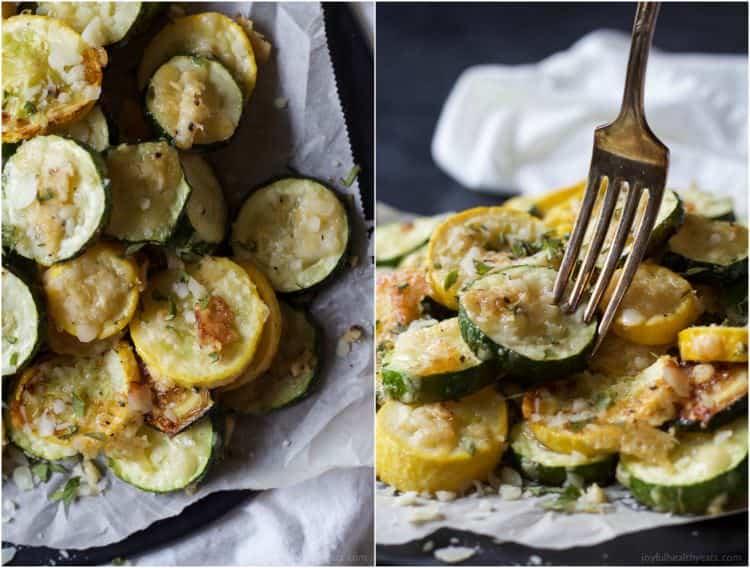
520,368
37,295
598,470
37,448
696,497
401,386
347,202
662,232
723,417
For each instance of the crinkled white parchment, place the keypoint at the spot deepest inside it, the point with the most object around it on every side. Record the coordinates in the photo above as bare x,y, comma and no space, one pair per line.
294,120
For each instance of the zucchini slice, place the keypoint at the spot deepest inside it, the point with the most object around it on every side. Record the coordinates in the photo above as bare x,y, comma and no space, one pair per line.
204,225
656,306
296,230
270,338
431,364
395,241
718,395
50,76
471,243
23,322
399,297
100,23
510,316
200,326
593,414
65,344
441,446
416,260
707,344
668,220
563,196
95,295
149,192
78,402
292,372
37,447
209,34
92,130
169,463
175,407
538,463
705,250
559,208
56,199
705,204
523,203
705,472
194,102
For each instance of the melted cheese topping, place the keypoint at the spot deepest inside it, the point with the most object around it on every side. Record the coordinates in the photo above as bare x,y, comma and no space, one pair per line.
705,240
148,191
473,242
63,399
295,230
54,199
476,423
20,322
195,100
618,356
94,295
166,333
99,23
209,34
432,350
515,309
49,75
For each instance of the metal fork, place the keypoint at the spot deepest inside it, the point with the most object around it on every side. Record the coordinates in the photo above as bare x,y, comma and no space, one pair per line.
627,157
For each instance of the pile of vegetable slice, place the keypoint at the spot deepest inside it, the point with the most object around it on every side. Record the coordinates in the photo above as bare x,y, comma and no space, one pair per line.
474,358
137,319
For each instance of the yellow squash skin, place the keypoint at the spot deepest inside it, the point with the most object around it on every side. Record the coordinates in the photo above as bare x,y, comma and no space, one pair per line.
408,465
707,344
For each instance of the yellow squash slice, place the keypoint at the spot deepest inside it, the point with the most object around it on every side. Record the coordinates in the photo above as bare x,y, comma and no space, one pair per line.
268,345
658,304
593,413
200,326
706,344
50,75
440,446
209,34
473,242
95,295
76,401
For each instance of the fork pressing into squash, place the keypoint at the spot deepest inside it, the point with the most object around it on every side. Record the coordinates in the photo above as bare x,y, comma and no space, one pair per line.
629,159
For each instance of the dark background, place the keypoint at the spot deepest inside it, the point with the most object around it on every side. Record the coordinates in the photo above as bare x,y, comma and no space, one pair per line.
423,48
421,51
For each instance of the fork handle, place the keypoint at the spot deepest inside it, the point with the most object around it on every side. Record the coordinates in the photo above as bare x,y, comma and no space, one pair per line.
640,44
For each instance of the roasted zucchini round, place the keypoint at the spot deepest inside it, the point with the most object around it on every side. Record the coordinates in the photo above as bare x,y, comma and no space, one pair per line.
50,75
718,395
194,102
200,326
149,192
175,407
472,243
705,204
91,129
510,316
23,322
713,343
705,250
295,230
395,241
209,34
56,199
441,446
705,472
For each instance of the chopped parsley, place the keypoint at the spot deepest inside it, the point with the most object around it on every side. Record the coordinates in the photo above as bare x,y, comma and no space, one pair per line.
79,407
451,279
481,267
353,173
67,493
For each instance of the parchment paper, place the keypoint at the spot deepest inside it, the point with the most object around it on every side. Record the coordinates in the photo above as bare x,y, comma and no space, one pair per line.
294,119
522,521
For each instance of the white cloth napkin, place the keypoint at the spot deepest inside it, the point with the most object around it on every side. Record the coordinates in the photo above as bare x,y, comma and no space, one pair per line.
529,128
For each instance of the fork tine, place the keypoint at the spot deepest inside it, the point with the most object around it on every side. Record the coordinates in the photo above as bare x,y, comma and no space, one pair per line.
574,244
602,225
643,232
613,256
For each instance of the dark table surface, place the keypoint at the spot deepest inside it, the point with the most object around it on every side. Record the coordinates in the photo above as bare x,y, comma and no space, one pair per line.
422,49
